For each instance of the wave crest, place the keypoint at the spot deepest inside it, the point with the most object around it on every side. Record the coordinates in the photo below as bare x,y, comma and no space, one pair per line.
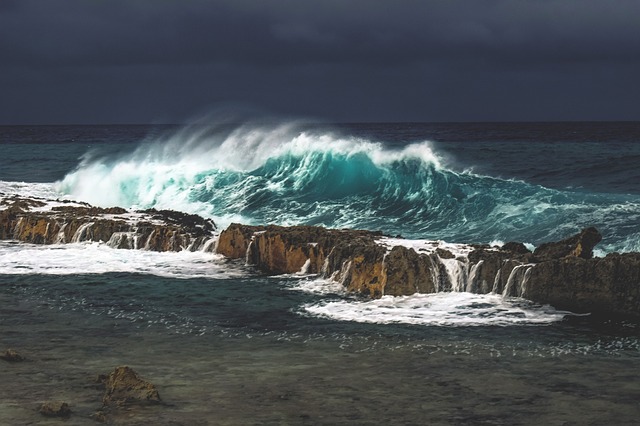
290,175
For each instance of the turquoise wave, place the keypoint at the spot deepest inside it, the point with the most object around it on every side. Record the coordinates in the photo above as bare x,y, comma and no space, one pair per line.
285,176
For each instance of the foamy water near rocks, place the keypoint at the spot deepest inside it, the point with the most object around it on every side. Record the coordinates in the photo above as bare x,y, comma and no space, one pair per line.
563,274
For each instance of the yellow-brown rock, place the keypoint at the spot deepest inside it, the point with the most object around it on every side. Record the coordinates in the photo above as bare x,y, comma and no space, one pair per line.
157,230
234,241
124,386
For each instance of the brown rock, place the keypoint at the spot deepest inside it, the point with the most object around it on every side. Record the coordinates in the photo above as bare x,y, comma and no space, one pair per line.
234,241
408,272
579,245
169,231
55,409
123,386
12,356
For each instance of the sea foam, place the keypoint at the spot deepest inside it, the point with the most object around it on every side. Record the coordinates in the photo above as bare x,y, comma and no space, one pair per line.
290,174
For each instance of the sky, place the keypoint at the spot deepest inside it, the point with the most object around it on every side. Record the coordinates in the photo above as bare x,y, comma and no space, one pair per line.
167,61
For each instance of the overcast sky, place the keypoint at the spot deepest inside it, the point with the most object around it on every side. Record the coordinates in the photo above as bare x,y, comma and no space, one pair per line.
166,61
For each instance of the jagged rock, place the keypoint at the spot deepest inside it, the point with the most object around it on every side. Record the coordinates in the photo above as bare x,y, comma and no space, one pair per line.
123,386
163,230
515,247
444,254
580,245
12,356
196,225
55,409
234,241
609,285
563,274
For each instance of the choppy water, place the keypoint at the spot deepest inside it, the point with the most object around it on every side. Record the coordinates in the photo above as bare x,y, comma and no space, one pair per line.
227,345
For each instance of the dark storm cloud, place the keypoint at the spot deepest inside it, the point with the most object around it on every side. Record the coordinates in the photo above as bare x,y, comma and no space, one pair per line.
446,60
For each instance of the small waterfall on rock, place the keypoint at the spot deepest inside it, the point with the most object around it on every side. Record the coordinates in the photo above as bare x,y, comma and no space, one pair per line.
81,232
517,282
123,240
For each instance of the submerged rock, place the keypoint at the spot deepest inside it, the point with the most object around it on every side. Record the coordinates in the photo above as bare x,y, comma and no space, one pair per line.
11,356
55,409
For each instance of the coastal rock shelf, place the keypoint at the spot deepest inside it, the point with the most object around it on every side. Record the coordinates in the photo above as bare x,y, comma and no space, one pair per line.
563,274
40,221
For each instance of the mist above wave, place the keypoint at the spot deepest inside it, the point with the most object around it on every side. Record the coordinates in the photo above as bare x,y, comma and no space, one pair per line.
289,174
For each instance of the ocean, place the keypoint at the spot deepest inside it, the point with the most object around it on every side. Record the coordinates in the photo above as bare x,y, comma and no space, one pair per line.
226,344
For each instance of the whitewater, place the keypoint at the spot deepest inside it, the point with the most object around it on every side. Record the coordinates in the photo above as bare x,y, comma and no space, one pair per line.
288,174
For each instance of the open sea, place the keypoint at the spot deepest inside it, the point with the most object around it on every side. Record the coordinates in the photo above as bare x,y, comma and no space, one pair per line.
226,344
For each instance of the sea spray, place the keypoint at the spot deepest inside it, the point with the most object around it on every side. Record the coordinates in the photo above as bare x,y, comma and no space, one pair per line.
288,174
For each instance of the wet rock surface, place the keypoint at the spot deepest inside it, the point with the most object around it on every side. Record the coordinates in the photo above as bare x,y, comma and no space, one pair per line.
49,222
563,274
123,386
55,409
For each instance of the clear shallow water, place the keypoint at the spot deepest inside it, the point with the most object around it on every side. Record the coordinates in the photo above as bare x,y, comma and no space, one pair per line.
227,345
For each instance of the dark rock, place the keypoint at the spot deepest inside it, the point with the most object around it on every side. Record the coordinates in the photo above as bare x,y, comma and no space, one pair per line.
12,356
609,285
444,254
55,409
408,272
579,245
516,248
195,224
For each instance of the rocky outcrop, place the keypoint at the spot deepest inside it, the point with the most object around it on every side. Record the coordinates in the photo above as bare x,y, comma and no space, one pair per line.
580,245
55,409
124,391
311,250
123,386
563,274
47,222
609,285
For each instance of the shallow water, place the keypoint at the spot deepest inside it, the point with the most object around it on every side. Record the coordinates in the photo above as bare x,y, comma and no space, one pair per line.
250,357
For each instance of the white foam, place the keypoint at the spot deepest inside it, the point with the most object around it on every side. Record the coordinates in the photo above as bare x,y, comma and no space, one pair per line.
438,309
30,190
98,258
321,286
427,246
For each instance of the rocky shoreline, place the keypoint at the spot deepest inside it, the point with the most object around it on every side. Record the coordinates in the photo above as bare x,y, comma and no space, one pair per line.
563,274
39,221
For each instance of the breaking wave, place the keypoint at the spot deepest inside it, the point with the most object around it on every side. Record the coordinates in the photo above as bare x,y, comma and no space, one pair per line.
287,174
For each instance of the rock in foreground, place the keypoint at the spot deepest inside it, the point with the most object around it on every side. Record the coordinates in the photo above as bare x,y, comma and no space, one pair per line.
124,386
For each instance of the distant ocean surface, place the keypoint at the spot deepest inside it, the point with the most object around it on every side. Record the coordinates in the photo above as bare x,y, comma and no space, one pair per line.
227,345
